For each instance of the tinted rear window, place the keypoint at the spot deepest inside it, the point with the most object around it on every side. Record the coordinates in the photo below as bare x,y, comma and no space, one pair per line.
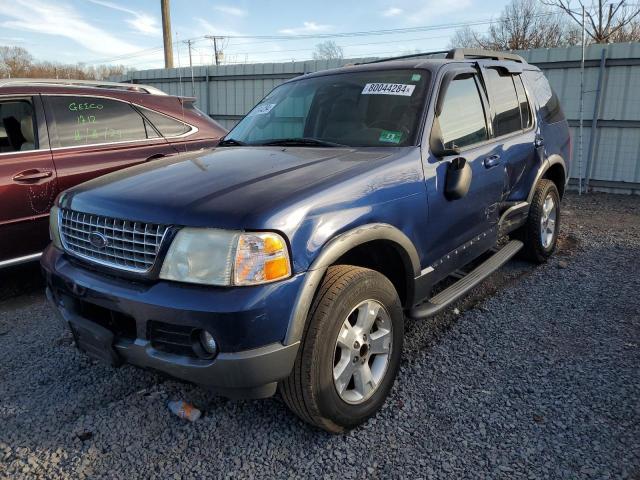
550,108
504,102
17,126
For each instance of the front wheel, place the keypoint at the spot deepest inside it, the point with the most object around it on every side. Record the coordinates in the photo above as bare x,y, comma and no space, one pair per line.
540,233
350,351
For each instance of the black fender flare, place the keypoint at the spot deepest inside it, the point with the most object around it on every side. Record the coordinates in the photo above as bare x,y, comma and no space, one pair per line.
332,251
546,165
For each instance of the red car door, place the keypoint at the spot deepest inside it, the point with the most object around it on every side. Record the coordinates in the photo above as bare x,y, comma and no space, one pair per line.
92,136
27,179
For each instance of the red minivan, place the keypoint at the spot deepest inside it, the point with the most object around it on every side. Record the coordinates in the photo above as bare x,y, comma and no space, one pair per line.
55,134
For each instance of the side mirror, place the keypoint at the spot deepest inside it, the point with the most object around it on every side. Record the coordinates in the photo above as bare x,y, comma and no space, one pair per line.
436,144
458,180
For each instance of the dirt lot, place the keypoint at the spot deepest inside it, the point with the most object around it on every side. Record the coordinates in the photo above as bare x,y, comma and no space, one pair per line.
535,375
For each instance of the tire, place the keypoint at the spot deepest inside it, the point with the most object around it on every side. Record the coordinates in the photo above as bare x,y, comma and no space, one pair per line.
346,294
537,248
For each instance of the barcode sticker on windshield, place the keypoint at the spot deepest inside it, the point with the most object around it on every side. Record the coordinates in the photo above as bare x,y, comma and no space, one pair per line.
388,89
262,109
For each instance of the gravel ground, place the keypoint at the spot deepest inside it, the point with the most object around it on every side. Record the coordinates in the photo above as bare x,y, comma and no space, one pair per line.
536,375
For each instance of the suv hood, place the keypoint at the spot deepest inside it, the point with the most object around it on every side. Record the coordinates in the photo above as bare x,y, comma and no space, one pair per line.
230,187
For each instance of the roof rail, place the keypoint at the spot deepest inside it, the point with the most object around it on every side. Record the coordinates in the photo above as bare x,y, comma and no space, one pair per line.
464,53
404,57
456,54
10,82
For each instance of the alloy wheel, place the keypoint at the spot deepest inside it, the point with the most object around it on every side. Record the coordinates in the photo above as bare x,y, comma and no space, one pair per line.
362,352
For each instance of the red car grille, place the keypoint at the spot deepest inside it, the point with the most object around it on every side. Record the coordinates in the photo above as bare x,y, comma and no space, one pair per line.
121,244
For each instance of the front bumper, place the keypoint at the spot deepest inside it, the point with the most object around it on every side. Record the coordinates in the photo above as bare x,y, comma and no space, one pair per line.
249,324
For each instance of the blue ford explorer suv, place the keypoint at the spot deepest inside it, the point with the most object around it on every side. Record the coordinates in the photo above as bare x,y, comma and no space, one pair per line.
290,255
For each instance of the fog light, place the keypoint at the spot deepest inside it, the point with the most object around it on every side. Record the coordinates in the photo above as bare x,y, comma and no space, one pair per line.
208,343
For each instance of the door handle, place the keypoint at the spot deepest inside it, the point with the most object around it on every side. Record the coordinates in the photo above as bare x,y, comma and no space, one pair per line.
538,142
492,161
32,175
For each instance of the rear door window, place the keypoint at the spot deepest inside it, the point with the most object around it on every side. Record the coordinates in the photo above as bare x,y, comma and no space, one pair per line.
17,126
462,121
504,102
82,121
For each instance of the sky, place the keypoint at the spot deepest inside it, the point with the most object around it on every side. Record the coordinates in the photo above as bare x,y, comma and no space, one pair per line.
130,32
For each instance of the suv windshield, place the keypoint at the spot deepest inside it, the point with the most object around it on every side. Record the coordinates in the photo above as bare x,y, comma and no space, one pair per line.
356,109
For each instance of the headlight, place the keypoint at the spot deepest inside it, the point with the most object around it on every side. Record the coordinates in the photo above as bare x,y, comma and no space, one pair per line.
199,255
221,257
54,228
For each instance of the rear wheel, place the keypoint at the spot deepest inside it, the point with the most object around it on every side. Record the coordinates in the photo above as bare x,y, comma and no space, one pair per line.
540,233
350,352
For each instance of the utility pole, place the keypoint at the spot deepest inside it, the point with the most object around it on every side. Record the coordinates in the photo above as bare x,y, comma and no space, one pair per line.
215,47
193,86
581,104
215,50
166,33
190,61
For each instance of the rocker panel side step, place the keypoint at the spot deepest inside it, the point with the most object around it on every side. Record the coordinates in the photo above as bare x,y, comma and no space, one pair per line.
468,282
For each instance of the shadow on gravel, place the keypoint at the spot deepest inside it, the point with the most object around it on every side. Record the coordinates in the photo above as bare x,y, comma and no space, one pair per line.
20,280
421,334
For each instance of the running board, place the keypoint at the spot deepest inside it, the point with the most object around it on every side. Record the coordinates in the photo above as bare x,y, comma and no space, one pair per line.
469,281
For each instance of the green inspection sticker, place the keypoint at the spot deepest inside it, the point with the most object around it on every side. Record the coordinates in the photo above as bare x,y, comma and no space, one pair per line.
389,136
416,77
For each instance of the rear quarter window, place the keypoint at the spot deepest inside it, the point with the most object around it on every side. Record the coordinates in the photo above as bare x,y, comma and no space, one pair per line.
167,126
550,108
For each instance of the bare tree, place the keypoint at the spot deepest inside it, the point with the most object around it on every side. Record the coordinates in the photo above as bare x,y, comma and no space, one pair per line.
523,24
15,61
18,62
604,22
328,50
465,38
628,33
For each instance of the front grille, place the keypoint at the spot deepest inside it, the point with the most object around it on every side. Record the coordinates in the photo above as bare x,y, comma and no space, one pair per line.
121,244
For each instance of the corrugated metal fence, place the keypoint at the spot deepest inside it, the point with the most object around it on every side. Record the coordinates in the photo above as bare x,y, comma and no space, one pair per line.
610,158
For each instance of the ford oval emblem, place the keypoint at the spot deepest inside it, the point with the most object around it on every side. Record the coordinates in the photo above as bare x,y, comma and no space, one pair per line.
98,240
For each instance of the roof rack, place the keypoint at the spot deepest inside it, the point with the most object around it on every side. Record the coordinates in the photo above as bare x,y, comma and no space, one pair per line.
463,53
10,82
456,54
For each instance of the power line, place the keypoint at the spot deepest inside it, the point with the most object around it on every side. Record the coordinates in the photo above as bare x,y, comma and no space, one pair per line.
444,26
341,46
278,38
352,56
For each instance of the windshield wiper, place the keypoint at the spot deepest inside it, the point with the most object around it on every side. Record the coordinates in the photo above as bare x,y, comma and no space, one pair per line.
300,142
231,142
